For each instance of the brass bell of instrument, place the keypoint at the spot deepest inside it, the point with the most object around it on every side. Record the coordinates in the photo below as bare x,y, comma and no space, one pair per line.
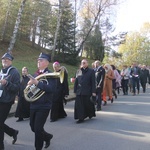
33,93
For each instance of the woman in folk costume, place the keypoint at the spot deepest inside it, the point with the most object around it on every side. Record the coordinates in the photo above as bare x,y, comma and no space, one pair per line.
107,89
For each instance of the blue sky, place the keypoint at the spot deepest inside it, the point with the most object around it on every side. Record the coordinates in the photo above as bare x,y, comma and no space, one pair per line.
132,14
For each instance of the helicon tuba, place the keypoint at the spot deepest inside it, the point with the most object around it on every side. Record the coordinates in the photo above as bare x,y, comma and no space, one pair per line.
32,92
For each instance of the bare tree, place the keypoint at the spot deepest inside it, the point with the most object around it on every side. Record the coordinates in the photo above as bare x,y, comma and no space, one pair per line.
6,20
57,29
16,28
101,9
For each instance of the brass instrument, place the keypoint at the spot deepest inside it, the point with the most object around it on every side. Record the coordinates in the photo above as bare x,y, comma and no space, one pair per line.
32,92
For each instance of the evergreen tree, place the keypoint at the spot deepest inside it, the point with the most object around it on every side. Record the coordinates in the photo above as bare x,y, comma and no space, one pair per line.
98,46
65,43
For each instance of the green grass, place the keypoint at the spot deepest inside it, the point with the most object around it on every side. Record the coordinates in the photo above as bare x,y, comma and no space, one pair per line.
25,55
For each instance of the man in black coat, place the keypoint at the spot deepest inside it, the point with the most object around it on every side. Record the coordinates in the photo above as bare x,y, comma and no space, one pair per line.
99,74
62,90
84,88
144,77
9,87
23,106
135,73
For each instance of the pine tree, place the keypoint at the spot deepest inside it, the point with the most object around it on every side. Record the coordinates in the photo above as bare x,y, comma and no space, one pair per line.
66,44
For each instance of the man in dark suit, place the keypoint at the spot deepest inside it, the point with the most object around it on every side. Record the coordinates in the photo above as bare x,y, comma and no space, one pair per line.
99,74
135,73
144,77
84,88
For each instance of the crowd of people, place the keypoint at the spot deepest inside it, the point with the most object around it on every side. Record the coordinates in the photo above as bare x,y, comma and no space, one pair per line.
93,87
102,83
51,101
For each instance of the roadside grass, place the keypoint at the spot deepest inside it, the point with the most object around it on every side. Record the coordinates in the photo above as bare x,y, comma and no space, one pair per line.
25,55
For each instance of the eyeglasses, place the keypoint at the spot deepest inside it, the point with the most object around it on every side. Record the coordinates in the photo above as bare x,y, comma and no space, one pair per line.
83,62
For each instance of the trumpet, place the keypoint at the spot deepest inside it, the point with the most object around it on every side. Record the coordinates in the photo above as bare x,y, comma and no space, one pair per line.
33,93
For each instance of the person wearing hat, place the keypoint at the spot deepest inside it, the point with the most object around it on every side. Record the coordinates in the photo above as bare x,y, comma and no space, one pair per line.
39,109
9,87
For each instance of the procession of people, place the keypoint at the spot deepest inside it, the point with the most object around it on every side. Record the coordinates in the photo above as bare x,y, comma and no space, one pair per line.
47,90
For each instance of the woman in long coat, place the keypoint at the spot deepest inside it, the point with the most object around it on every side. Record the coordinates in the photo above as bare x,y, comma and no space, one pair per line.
107,89
84,88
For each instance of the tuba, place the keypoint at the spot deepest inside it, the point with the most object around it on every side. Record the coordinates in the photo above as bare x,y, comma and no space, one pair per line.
32,92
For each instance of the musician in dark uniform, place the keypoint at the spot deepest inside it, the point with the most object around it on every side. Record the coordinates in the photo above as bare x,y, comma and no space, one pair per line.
23,106
84,88
9,87
39,109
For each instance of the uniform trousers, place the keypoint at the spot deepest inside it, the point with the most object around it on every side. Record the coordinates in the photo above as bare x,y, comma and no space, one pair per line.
38,118
4,111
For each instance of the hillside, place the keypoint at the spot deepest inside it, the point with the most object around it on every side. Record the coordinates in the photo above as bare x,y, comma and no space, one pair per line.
25,55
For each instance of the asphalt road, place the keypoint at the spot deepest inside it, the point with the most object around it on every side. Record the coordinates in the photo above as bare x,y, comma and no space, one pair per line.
123,125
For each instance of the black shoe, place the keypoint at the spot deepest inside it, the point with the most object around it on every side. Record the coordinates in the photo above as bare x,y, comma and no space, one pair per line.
47,144
112,100
99,109
80,121
53,120
15,136
20,119
105,103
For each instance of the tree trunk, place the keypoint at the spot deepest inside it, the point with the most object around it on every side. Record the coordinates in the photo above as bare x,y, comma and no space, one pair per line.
6,20
15,32
34,31
83,41
57,30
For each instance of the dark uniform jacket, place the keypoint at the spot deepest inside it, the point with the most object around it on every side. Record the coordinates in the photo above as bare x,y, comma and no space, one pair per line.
45,101
10,90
